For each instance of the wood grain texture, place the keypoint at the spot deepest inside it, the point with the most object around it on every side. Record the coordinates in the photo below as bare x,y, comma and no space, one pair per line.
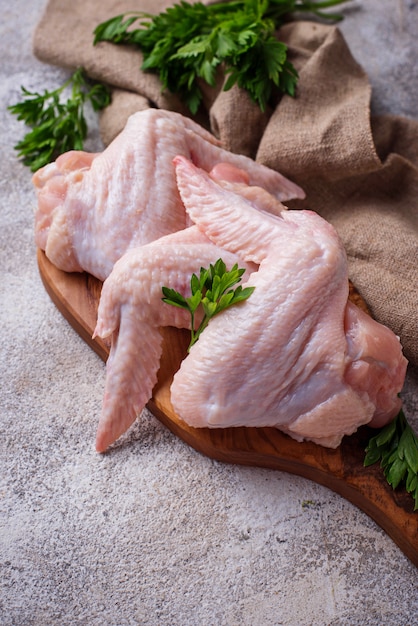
341,470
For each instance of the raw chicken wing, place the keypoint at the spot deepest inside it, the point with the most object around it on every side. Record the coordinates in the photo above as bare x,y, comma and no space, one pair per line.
92,208
294,355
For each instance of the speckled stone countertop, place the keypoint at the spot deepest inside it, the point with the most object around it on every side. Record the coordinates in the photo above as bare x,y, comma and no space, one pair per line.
154,533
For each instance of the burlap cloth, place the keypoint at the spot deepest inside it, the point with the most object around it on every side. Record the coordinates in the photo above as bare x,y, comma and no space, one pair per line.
359,172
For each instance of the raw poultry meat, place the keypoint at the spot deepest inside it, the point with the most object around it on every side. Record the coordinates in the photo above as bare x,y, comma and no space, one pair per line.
131,311
93,207
296,355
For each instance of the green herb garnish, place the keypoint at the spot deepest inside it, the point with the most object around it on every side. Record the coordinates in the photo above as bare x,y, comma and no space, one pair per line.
396,447
57,126
212,291
189,42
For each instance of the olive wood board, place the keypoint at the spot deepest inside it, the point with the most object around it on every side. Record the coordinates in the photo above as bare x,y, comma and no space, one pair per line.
77,296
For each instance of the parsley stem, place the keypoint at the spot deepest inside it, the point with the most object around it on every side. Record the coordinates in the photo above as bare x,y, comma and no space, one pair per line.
211,292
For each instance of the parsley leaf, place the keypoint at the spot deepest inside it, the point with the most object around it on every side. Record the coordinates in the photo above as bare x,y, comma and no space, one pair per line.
212,291
56,126
396,447
189,42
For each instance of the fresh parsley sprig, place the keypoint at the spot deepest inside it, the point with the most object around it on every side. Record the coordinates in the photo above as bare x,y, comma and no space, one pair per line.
212,291
396,447
56,126
189,42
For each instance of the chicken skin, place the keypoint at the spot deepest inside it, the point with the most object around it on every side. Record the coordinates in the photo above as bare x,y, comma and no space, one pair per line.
92,208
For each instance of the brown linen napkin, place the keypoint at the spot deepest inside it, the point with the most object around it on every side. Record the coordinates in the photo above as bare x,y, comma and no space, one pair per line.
359,173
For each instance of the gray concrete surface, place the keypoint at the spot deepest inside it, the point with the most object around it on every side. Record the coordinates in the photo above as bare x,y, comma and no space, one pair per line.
154,533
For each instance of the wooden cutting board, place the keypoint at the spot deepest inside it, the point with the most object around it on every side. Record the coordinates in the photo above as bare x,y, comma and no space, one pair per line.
77,297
